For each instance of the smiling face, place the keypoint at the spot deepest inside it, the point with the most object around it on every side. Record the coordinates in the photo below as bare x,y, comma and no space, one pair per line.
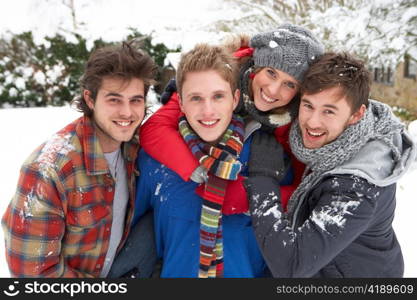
273,88
324,116
207,102
118,111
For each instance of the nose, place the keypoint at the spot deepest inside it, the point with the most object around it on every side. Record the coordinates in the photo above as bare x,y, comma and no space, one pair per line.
274,88
125,109
208,108
314,120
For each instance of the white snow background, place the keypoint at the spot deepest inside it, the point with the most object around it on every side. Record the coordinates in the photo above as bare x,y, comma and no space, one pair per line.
174,23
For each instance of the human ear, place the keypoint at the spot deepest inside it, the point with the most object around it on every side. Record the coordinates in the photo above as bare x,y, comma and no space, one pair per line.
357,116
236,98
88,99
180,101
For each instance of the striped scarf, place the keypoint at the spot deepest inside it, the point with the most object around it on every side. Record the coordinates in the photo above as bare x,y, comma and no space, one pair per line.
222,165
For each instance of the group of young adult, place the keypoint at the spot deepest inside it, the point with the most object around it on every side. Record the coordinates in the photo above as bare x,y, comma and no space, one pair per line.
268,159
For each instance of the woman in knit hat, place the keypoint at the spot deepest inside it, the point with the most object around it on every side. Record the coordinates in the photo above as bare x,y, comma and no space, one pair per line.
272,64
272,68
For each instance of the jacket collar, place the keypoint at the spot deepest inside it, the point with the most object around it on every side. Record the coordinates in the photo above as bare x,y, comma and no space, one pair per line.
250,127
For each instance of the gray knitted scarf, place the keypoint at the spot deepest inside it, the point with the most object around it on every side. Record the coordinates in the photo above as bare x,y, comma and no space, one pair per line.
378,123
247,106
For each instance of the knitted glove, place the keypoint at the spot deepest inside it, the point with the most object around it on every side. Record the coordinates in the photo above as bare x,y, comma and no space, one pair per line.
267,157
266,170
170,88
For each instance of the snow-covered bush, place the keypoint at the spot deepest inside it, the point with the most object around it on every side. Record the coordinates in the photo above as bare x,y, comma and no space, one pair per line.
39,75
48,73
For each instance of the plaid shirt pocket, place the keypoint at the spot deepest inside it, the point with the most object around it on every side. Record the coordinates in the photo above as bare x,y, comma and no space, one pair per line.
85,227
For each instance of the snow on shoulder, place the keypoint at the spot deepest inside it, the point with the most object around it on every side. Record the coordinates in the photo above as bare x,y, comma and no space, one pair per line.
57,145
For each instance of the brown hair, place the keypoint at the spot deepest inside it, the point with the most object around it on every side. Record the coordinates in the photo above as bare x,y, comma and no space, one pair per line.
204,57
234,42
339,70
122,61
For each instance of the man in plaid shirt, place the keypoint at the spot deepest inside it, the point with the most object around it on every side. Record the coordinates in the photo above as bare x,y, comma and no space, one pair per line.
73,206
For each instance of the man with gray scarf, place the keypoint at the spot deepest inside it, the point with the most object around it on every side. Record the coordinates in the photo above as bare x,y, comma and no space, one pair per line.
339,220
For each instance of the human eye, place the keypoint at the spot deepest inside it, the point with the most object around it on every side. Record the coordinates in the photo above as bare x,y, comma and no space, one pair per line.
291,85
271,73
307,106
114,100
329,112
195,98
136,100
219,96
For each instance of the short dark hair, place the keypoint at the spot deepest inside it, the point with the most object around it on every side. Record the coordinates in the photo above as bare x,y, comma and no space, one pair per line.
339,70
123,61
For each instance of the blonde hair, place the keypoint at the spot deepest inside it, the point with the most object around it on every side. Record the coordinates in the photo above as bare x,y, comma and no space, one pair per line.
204,57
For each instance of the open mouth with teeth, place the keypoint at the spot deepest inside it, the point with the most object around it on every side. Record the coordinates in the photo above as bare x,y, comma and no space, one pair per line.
314,134
209,123
266,98
123,123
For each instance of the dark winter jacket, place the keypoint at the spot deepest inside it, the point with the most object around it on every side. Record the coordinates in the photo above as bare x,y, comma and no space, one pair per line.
342,227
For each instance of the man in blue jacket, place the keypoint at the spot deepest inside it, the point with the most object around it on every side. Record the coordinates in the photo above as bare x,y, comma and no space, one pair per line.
193,237
339,220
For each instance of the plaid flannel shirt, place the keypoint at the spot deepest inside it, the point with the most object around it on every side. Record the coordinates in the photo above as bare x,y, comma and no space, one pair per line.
59,221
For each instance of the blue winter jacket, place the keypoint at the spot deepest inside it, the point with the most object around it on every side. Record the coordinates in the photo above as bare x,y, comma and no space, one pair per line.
177,210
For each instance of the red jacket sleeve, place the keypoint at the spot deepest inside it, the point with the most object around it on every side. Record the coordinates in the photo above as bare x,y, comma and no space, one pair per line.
235,201
160,138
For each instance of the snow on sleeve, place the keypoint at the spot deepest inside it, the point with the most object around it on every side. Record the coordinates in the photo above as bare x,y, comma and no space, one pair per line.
269,206
32,206
158,187
272,198
335,183
334,214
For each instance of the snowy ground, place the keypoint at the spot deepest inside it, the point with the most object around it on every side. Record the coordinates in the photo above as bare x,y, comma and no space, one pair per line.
24,129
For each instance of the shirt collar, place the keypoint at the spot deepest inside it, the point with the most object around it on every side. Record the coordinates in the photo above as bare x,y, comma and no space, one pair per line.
94,160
